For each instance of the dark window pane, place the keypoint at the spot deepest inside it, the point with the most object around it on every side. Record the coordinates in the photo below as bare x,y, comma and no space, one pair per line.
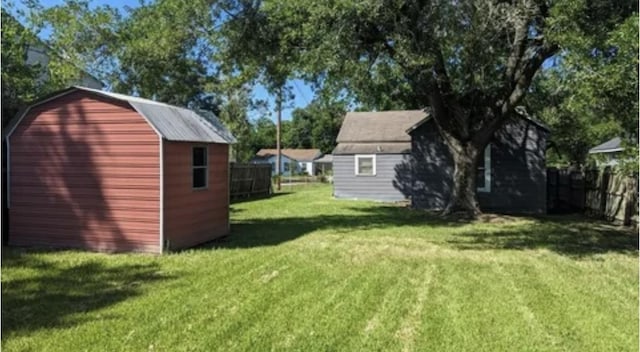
481,164
365,166
199,156
480,178
199,178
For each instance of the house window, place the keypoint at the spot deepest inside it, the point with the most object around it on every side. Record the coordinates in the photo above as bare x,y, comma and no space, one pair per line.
286,167
365,165
483,174
199,167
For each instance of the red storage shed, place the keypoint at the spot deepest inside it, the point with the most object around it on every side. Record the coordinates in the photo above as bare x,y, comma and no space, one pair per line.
110,172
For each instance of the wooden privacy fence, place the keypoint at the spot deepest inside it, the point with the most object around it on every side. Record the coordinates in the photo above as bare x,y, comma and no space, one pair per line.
565,190
597,193
611,196
250,180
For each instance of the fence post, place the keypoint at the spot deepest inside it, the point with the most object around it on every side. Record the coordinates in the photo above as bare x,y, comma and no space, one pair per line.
557,188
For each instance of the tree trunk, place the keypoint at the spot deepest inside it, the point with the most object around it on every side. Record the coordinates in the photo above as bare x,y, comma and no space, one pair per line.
463,198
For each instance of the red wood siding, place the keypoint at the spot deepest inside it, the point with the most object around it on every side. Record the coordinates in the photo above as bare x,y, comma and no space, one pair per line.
85,173
195,216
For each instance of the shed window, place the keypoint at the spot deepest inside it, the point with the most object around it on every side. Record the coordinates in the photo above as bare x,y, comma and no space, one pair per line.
365,165
200,166
483,173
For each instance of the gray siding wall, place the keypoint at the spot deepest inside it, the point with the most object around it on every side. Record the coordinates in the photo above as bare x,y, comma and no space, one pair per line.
380,187
518,170
430,171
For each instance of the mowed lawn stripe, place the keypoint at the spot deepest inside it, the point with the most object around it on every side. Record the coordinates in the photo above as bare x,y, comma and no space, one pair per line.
303,271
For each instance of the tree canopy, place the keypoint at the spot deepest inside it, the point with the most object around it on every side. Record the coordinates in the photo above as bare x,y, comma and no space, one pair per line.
19,80
590,95
468,62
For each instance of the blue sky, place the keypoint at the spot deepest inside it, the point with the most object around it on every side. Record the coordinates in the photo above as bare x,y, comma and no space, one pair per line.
303,94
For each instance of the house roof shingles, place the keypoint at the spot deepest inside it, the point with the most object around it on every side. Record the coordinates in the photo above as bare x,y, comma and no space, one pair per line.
327,158
295,154
387,132
373,148
379,126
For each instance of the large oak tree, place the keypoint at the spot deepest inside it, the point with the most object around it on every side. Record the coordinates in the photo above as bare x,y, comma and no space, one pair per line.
470,62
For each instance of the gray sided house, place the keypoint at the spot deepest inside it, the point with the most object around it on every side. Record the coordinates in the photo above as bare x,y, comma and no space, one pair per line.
608,153
400,155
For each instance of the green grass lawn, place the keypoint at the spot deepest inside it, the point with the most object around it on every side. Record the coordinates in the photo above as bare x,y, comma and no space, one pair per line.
302,271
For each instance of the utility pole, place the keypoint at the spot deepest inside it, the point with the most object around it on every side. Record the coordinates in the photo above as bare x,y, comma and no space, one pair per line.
279,153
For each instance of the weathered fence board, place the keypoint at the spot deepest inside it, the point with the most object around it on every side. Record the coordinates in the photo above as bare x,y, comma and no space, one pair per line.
612,196
598,193
250,180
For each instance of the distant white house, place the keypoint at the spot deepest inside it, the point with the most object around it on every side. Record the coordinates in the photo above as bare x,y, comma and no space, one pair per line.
292,161
608,153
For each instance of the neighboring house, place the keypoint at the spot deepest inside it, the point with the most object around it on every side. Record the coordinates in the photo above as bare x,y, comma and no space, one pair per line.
399,155
292,161
105,171
608,153
39,55
324,165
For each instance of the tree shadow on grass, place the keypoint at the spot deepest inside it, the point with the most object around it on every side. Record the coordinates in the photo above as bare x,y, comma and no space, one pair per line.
58,291
273,231
571,235
567,235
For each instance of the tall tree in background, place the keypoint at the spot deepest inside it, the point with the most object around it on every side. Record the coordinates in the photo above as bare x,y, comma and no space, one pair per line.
264,134
19,80
234,114
163,53
158,50
591,93
316,125
24,80
256,47
302,122
470,62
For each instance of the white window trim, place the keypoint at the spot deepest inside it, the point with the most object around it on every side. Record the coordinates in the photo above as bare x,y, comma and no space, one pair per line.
361,156
205,167
487,170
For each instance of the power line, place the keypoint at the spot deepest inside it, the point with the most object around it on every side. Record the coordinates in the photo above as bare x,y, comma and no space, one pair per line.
300,91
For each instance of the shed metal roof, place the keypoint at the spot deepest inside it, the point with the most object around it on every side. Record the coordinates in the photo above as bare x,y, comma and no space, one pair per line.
172,123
